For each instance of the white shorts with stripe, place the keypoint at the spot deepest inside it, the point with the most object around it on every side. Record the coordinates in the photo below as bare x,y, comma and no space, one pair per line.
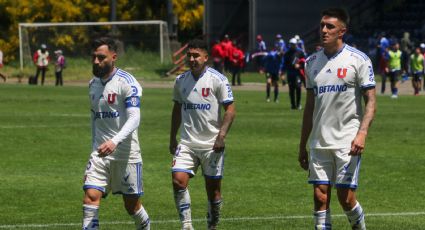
118,177
334,167
188,160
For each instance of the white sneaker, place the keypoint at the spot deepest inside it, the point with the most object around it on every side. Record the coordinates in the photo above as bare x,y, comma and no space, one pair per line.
300,107
394,96
268,99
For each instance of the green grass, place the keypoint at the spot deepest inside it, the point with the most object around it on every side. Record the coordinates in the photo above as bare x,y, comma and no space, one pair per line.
45,144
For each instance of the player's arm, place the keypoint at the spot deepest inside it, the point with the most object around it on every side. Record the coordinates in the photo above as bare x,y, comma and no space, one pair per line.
229,116
307,126
176,119
358,144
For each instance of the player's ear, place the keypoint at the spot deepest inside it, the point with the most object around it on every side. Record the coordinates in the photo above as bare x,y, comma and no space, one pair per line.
114,56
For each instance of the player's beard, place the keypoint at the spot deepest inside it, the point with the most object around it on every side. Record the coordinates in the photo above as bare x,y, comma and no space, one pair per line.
101,72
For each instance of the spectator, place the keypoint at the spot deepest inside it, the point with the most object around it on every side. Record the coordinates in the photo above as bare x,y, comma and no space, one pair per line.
41,60
218,55
394,68
273,63
259,53
280,43
300,43
237,61
59,66
293,60
227,47
417,69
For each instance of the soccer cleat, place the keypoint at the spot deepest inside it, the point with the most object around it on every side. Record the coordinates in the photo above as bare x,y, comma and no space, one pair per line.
268,100
187,226
394,96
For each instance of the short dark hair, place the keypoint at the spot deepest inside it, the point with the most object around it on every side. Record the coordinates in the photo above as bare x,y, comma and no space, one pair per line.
339,13
198,44
110,42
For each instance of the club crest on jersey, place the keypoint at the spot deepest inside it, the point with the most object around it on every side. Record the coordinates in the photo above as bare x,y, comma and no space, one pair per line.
111,98
205,92
342,73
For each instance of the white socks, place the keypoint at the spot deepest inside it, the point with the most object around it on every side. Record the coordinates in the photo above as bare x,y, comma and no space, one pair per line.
182,199
90,217
141,219
213,215
356,217
322,220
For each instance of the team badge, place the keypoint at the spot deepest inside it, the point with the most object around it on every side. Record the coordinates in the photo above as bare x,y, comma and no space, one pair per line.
342,73
205,92
111,98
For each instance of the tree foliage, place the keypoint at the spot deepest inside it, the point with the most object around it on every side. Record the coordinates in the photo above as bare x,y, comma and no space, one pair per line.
190,16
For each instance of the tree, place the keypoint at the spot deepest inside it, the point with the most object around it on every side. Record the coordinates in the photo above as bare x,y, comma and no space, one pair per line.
190,16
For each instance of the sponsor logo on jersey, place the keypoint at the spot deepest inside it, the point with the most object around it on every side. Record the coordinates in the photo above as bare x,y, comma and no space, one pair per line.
109,114
195,106
205,92
330,89
341,73
111,98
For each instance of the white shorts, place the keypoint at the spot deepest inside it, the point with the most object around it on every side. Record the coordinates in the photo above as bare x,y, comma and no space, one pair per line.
120,177
188,160
334,167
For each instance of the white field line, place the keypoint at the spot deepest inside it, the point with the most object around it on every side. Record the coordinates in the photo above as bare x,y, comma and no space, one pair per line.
234,219
42,126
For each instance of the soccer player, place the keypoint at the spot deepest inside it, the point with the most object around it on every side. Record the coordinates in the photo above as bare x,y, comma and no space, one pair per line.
198,97
417,69
394,68
273,64
338,76
292,67
115,164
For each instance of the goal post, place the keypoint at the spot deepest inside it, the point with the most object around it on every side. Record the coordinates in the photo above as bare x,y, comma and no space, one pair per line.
74,37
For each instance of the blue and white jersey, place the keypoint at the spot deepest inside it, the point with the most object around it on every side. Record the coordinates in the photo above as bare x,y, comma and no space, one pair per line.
109,101
337,82
201,102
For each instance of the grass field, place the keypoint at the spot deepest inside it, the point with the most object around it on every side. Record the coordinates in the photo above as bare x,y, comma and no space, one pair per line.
45,144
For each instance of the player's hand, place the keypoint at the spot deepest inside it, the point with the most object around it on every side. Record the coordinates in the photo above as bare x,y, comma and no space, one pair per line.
357,145
106,149
173,146
303,158
219,144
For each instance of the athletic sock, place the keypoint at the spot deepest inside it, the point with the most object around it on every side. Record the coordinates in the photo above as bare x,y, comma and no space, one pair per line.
141,219
182,199
268,91
322,220
356,217
276,93
213,215
90,217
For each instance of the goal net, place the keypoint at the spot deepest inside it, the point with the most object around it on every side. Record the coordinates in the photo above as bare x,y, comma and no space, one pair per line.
137,40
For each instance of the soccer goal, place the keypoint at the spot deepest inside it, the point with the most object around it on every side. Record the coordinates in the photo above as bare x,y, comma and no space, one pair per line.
138,40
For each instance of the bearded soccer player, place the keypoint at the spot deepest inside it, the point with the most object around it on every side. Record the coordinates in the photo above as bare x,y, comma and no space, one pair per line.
338,77
115,164
198,97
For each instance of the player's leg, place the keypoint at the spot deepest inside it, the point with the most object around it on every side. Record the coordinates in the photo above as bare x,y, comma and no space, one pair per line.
322,175
57,78
96,179
37,73
135,209
126,179
384,82
43,74
348,168
184,167
298,93
268,86
275,80
322,213
213,188
212,166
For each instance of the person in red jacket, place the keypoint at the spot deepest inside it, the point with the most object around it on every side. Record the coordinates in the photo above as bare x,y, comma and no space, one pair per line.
218,55
237,61
41,60
227,47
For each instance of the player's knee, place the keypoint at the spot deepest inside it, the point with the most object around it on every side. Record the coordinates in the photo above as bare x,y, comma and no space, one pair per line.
92,198
132,208
321,198
179,184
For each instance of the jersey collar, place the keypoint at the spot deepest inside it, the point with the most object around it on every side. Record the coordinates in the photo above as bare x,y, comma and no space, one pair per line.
201,75
110,77
335,55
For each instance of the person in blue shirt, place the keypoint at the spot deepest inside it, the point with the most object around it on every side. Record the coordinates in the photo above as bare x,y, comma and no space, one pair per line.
273,64
292,67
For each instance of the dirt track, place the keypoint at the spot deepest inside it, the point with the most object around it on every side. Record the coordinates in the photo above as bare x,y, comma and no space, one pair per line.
404,89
